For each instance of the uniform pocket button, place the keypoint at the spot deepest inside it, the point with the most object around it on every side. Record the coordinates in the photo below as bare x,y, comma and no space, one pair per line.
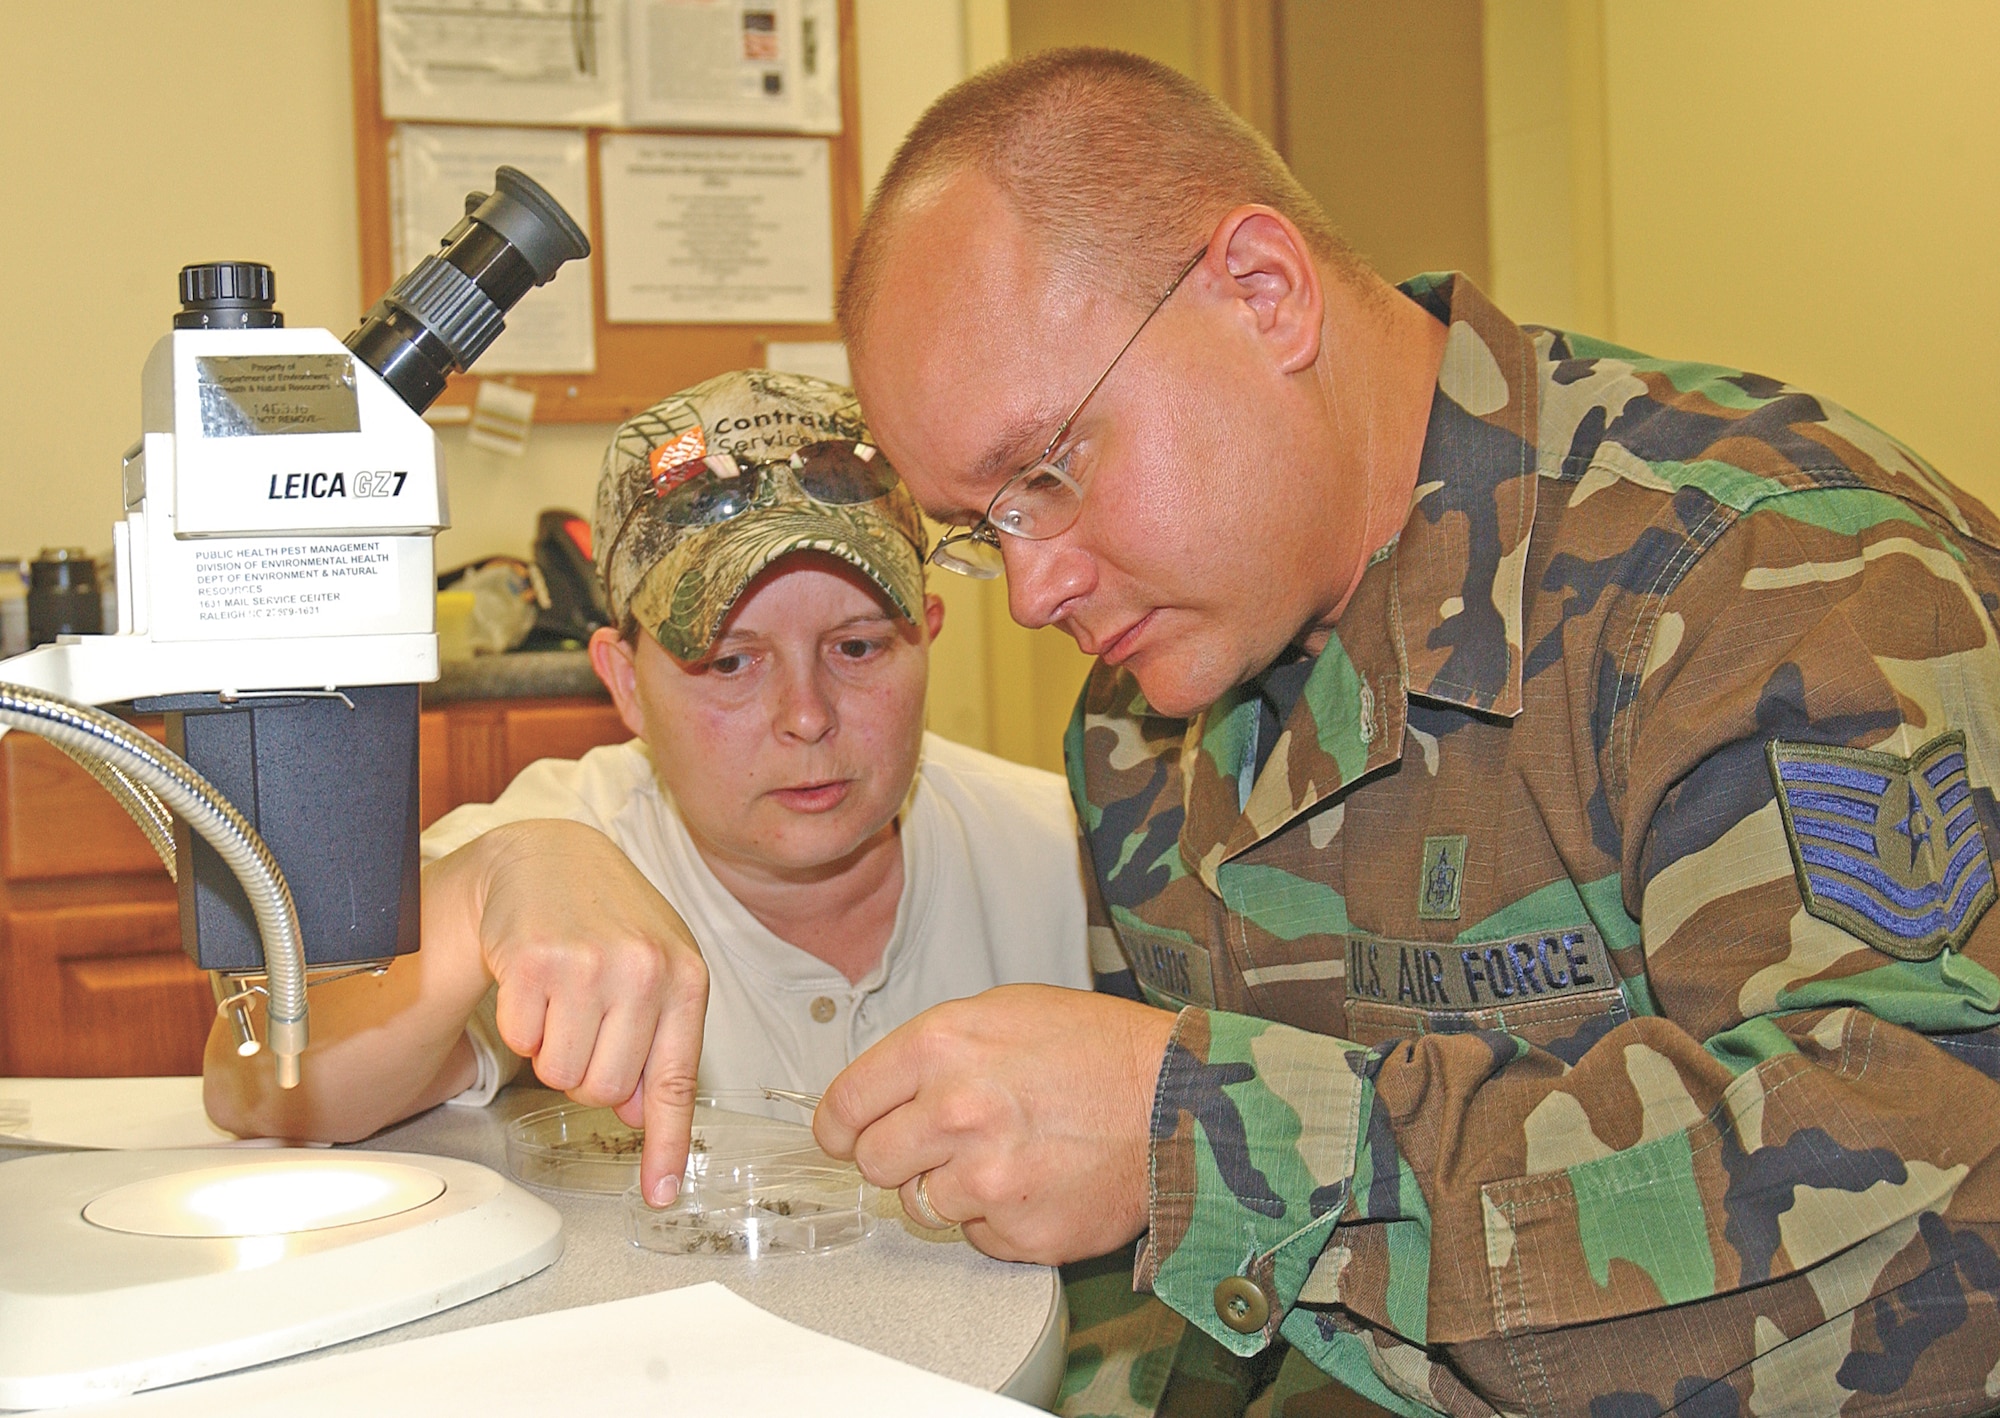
1241,1305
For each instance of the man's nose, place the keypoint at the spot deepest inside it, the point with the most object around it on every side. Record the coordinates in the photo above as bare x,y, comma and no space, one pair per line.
1043,578
805,708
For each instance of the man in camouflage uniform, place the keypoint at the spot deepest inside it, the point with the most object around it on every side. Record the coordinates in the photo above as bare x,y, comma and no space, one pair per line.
1580,936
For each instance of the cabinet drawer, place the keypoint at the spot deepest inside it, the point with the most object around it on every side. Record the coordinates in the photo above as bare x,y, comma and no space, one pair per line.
94,984
56,822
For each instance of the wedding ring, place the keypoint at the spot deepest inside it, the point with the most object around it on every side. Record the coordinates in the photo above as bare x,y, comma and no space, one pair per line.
927,1213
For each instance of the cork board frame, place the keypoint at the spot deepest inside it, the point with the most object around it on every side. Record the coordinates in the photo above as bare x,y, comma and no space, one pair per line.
635,363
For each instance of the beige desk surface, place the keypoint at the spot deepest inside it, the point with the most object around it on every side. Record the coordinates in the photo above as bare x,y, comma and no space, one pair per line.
937,1304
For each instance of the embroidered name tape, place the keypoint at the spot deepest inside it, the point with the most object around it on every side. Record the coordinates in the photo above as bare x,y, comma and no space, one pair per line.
1168,967
1471,975
1889,849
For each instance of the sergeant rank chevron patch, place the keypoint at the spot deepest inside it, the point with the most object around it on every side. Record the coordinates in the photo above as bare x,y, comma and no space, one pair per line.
1889,849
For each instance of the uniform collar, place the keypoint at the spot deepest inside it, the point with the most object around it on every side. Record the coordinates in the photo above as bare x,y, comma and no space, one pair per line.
1438,614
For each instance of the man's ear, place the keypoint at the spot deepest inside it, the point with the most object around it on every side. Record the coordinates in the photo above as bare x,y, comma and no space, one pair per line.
617,665
933,615
1271,270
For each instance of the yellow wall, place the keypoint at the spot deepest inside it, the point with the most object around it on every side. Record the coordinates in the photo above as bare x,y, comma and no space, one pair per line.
1384,123
137,136
1808,188
126,152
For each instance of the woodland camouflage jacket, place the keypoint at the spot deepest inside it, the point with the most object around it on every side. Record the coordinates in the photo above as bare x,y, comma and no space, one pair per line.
1591,1004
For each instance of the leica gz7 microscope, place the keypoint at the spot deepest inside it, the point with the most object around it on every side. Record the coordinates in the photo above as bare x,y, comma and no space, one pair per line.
276,602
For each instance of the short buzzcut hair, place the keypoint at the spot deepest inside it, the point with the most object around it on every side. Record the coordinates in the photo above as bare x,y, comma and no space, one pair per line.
1119,165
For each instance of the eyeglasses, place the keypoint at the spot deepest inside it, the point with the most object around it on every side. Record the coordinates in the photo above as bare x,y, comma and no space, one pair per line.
1043,499
711,489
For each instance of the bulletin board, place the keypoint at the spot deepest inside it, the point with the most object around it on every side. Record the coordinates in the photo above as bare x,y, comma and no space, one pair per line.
635,363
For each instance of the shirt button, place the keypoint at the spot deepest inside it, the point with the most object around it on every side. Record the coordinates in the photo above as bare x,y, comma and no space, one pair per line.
1241,1305
823,1010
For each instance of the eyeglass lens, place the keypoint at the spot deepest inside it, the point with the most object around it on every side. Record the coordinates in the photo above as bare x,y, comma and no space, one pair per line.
843,472
969,555
1042,503
714,496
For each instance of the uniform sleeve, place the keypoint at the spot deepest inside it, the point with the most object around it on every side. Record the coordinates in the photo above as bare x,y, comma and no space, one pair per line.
1110,971
1790,752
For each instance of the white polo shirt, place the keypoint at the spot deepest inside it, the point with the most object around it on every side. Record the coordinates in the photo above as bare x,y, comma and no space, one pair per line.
992,895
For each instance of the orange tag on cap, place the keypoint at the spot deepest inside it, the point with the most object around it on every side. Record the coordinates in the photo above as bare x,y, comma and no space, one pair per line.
674,463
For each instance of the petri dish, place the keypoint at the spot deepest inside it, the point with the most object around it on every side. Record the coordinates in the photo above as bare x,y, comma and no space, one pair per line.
757,1210
574,1147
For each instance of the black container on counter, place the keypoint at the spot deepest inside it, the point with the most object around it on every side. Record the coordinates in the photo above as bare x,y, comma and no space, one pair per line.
63,597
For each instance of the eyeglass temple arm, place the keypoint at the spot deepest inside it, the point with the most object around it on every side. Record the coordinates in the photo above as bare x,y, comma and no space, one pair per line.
1165,295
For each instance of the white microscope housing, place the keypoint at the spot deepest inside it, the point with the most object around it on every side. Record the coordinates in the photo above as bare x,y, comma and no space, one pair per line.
279,516
276,583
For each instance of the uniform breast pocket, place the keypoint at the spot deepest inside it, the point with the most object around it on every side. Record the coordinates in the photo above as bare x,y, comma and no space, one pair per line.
1553,988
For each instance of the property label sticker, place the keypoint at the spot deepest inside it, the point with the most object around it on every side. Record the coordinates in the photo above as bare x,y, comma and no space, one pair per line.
250,395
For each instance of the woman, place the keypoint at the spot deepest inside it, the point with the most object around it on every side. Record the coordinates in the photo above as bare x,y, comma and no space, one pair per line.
777,871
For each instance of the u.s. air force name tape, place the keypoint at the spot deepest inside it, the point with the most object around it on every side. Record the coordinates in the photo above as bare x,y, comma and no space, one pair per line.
1466,975
1454,976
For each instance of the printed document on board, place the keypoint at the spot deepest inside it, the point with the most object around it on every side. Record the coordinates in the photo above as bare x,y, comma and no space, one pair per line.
759,64
502,61
717,230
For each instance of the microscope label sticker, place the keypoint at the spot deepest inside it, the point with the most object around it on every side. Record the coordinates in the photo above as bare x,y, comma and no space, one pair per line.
295,583
245,396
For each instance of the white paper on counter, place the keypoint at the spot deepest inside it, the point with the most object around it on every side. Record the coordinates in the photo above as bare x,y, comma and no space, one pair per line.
107,1112
716,230
431,168
516,61
758,64
698,1350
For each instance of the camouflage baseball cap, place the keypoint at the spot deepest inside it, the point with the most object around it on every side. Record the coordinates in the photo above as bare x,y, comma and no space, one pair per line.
709,486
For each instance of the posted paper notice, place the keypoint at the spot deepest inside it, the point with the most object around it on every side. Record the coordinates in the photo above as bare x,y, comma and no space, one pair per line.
716,230
520,61
772,65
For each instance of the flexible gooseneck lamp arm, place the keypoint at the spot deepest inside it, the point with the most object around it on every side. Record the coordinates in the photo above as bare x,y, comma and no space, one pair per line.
154,777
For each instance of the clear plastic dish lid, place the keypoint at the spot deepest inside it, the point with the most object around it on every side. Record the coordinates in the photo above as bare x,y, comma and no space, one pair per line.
757,1210
577,1148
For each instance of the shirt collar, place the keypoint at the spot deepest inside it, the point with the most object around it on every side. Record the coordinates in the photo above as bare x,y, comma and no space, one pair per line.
1463,553
1437,613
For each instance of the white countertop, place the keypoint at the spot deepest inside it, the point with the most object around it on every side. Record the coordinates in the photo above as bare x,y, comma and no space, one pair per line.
935,1303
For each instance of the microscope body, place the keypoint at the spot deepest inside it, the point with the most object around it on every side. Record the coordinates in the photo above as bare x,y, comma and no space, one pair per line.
276,601
275,597
290,498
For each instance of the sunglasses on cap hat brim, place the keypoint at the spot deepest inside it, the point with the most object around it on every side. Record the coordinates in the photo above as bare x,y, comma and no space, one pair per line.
705,491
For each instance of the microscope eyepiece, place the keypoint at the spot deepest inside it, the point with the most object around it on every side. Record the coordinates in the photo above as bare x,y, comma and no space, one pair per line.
445,312
228,295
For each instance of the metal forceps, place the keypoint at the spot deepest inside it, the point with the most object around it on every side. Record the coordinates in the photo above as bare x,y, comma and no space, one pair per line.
808,1101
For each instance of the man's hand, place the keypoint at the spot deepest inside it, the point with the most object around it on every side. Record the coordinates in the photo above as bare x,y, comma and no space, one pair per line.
600,982
1026,1111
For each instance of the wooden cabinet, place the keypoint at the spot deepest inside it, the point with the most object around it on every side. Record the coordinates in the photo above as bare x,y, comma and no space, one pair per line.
471,750
93,981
